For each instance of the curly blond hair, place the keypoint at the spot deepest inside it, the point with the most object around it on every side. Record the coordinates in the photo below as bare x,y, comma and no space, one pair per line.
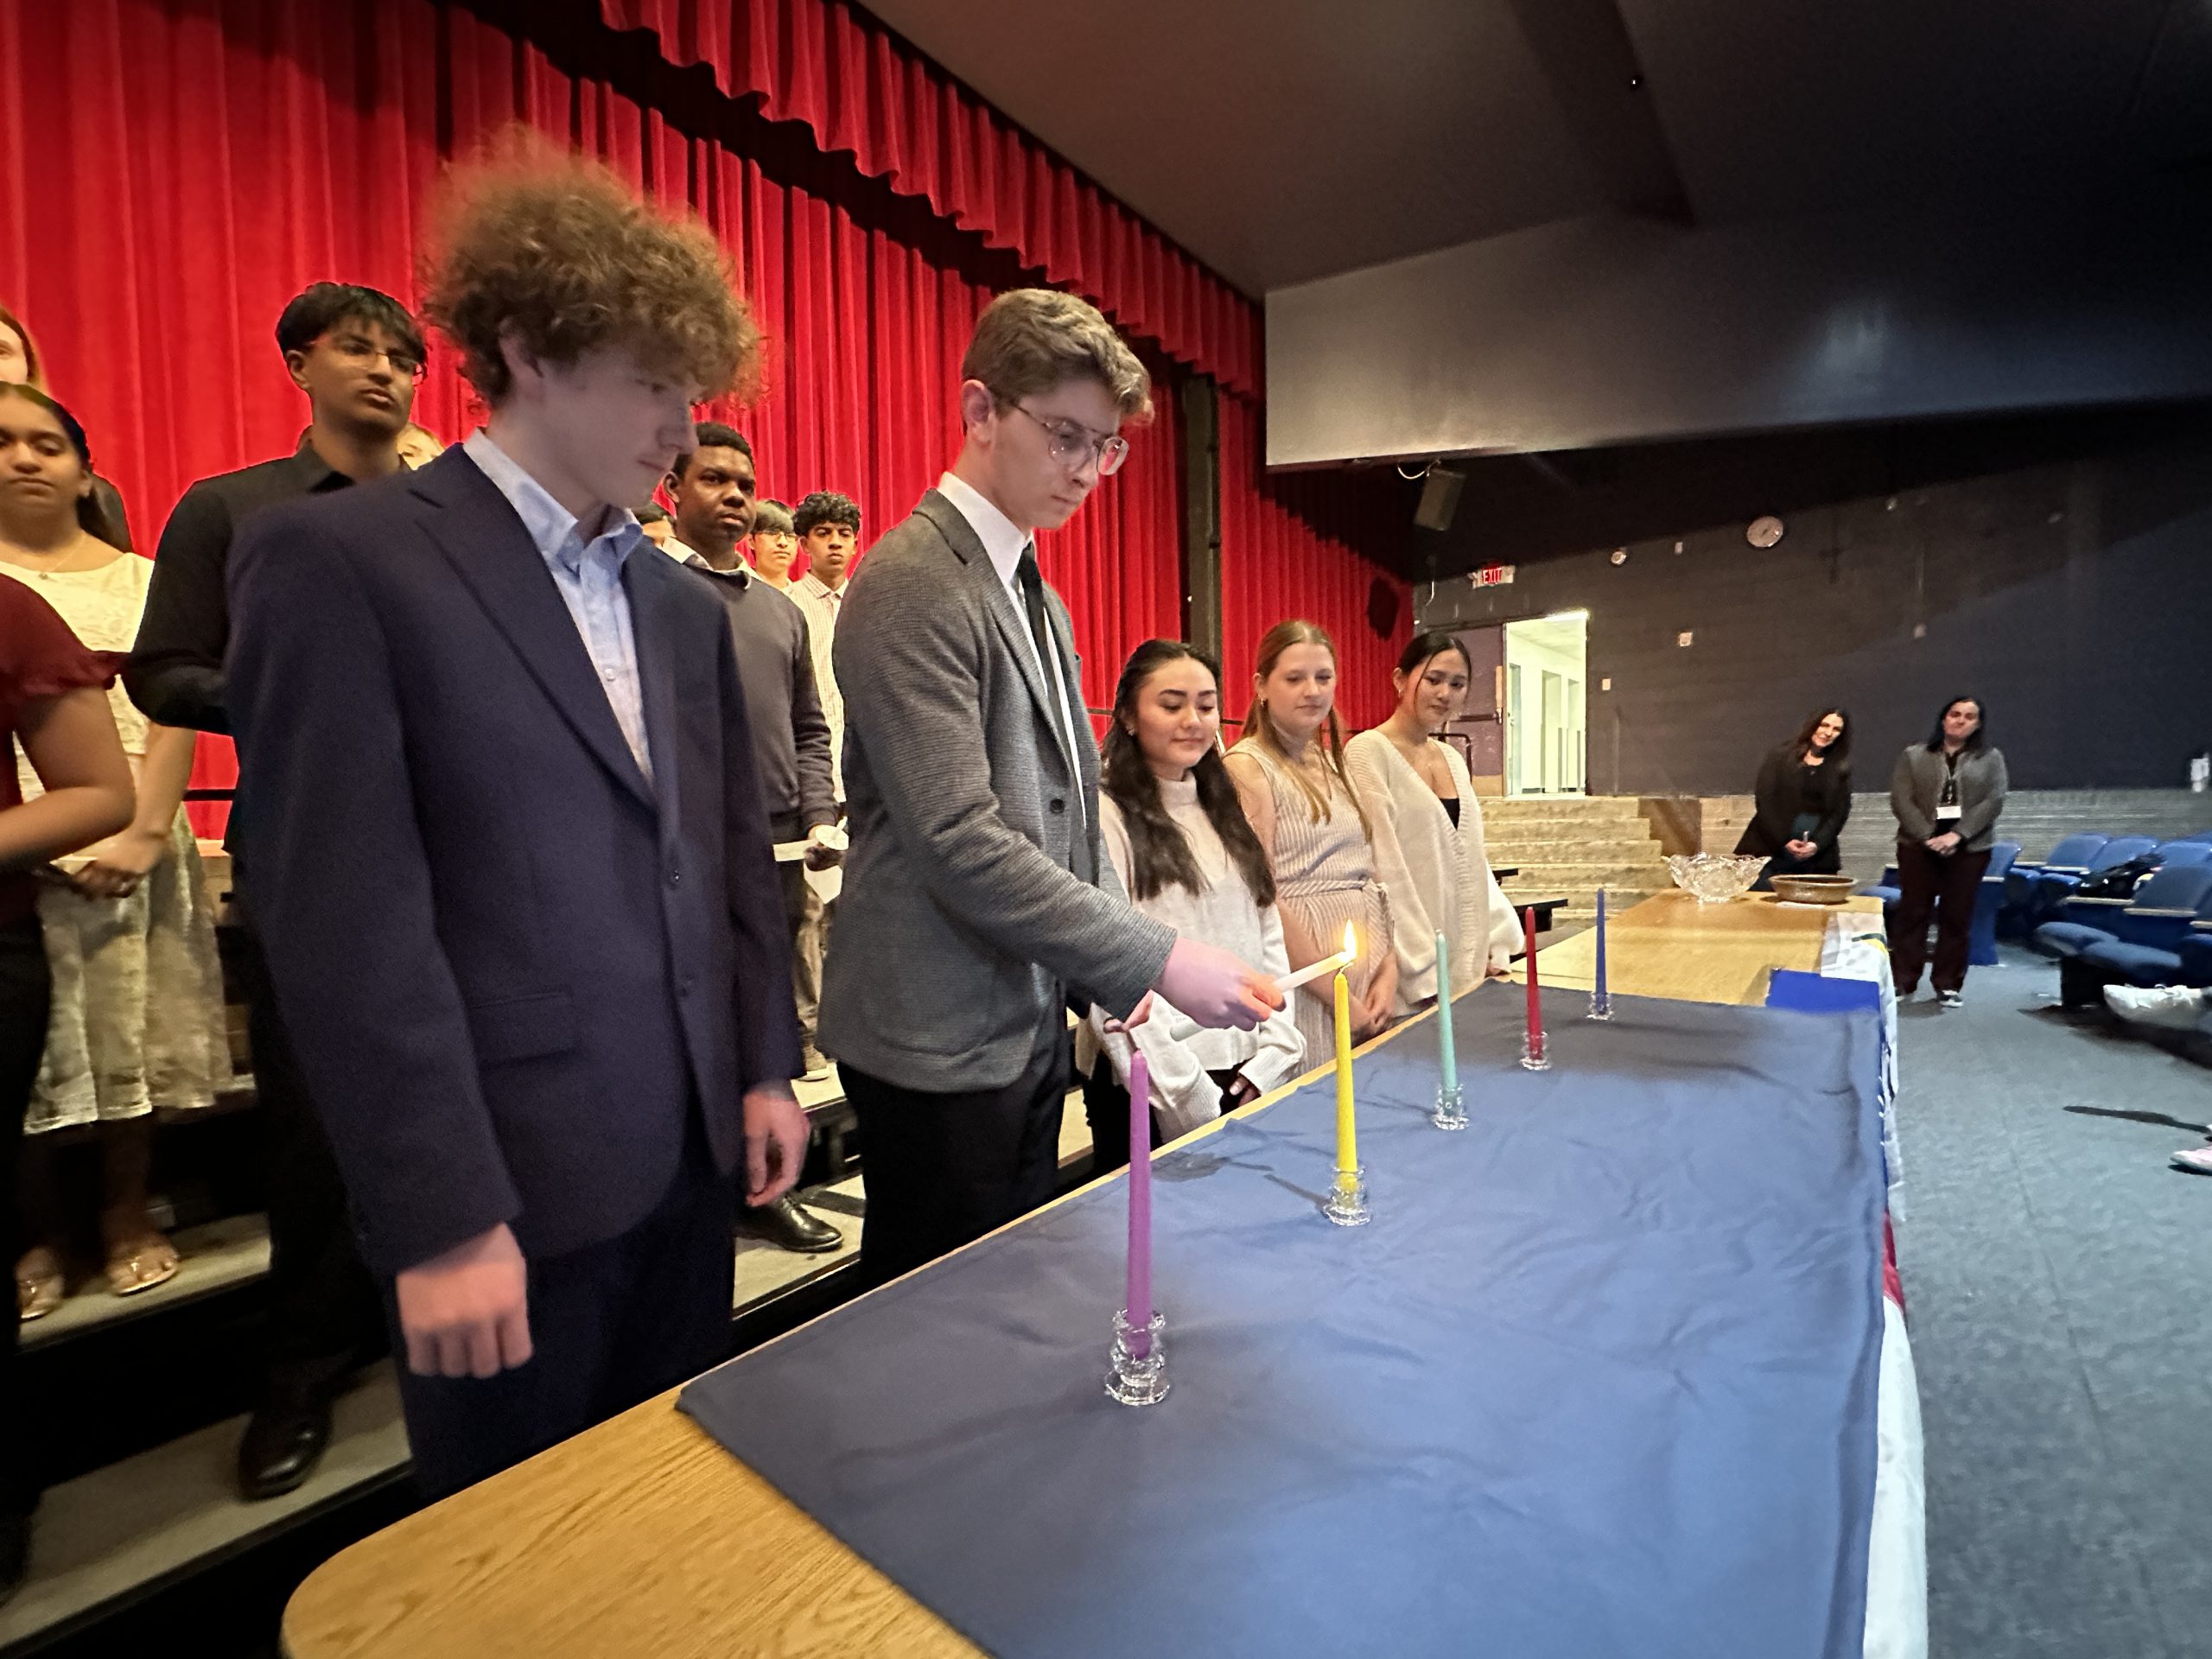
557,253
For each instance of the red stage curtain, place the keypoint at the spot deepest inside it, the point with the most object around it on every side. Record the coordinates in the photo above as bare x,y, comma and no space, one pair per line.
1300,544
173,171
863,91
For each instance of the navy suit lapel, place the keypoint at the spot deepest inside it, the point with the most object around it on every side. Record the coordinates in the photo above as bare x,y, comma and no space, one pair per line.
657,622
485,541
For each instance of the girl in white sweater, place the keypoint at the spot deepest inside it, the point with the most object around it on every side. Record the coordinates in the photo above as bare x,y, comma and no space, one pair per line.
1185,853
1433,863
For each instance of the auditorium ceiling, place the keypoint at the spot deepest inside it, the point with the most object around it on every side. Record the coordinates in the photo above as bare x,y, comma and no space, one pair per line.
1284,140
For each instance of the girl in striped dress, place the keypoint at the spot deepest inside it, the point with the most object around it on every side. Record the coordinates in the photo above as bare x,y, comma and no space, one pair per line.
1319,838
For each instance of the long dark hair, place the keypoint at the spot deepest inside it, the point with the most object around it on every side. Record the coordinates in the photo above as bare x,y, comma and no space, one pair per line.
1260,727
1836,752
1981,733
92,515
1160,854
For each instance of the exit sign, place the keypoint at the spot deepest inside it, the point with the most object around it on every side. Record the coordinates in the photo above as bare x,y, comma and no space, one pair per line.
1492,575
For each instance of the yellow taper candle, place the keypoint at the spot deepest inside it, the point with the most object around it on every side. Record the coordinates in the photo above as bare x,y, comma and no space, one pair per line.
1347,1130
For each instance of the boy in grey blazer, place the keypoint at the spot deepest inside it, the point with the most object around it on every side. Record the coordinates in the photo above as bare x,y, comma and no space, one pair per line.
978,906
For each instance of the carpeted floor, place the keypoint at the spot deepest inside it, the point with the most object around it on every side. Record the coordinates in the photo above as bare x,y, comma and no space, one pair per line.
2058,1279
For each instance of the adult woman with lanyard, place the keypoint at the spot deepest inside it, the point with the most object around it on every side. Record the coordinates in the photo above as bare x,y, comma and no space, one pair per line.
1803,799
1947,793
1435,864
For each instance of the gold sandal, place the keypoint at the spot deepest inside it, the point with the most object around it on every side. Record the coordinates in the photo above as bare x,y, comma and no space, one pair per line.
142,1264
38,1294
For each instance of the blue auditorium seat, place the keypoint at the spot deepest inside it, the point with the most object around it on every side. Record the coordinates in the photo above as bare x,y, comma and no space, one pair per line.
2171,853
2071,855
2050,888
2187,962
1981,933
2159,915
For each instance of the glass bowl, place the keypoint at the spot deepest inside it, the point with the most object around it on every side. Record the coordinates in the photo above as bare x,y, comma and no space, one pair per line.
1715,878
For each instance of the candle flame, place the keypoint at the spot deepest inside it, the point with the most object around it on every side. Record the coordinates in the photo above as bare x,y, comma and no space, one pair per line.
1352,943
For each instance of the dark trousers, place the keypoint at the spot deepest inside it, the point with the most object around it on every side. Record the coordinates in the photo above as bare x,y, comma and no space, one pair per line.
1106,1104
325,1314
1947,888
23,993
945,1169
611,1324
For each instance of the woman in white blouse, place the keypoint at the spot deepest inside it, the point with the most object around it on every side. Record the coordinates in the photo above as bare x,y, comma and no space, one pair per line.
1435,865
1187,856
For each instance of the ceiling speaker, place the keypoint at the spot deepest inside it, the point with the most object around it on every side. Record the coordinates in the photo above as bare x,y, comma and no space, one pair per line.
1439,498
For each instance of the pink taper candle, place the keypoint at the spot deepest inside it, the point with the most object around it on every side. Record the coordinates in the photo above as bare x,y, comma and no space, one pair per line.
1139,1297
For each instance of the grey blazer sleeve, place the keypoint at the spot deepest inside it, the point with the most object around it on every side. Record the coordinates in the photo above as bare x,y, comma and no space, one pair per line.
1981,819
1912,822
915,689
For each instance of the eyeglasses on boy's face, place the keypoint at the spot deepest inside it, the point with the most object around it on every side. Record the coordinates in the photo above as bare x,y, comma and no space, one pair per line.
1073,444
356,353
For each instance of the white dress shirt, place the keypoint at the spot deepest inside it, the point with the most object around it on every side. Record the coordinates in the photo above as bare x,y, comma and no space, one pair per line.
823,605
1004,541
589,573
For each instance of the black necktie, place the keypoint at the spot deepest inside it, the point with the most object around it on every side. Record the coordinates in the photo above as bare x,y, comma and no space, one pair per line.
1032,600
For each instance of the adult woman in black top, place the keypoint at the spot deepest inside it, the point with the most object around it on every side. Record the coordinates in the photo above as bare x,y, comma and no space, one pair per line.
1803,797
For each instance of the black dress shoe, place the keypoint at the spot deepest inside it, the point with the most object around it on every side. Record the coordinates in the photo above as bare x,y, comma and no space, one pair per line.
14,1552
786,1226
285,1438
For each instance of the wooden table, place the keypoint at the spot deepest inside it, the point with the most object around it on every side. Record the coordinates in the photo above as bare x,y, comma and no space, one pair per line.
644,1536
1671,946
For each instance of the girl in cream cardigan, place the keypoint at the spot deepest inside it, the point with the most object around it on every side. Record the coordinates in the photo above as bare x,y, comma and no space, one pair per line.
1435,866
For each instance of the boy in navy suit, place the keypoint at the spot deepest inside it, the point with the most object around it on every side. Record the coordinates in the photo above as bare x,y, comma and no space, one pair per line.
510,861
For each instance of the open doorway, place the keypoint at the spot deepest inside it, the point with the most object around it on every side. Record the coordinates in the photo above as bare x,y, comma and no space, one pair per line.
1545,721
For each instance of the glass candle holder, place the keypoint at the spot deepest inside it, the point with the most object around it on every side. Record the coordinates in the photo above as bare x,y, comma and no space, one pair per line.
1450,1111
1346,1204
1139,1360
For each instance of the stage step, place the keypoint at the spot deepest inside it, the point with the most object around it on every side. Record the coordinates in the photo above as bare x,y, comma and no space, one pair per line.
1567,847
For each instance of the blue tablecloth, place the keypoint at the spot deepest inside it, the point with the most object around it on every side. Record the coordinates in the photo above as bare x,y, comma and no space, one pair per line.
1599,1379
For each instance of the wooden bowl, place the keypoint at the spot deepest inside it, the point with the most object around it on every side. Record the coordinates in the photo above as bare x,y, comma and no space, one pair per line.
1814,889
